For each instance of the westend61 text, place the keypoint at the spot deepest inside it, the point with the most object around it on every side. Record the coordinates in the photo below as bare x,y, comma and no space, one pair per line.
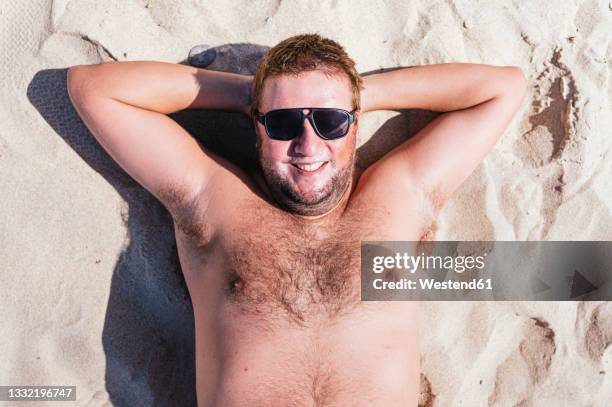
431,284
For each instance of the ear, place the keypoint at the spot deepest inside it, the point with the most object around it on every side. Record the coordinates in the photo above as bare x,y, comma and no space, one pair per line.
257,140
256,129
356,124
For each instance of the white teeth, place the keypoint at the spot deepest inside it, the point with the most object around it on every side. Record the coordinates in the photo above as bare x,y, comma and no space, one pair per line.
310,167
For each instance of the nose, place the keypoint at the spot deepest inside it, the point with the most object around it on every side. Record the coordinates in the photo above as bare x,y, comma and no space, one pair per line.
308,143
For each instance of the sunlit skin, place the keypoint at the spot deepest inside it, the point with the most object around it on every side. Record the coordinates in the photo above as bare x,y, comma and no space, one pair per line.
296,190
277,315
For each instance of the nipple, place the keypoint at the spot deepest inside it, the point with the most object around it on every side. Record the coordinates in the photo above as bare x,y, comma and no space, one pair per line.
236,284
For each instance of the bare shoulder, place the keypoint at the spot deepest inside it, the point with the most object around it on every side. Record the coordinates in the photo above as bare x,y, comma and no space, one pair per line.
197,217
409,207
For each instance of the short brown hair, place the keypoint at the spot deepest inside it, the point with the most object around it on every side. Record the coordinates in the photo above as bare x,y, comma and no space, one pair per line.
301,53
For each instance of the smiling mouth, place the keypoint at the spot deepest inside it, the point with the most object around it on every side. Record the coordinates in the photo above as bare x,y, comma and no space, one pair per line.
310,167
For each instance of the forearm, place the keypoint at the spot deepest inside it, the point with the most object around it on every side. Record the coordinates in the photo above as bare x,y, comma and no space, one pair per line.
162,87
440,87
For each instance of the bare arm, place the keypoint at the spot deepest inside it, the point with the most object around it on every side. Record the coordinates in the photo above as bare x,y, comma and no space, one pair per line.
124,105
479,101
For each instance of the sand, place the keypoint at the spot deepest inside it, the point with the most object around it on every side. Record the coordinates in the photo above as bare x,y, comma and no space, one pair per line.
91,290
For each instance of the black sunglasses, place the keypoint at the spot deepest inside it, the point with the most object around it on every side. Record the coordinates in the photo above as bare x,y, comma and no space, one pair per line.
285,124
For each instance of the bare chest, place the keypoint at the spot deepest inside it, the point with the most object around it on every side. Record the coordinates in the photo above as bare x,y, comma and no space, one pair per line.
273,262
265,261
299,271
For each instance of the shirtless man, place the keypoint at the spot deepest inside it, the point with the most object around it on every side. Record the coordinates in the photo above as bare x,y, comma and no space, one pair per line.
272,258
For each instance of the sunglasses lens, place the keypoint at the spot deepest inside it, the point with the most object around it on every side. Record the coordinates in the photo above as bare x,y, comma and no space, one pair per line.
331,124
284,125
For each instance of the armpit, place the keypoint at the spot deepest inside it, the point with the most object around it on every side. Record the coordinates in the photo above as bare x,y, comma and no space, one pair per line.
189,216
430,203
429,233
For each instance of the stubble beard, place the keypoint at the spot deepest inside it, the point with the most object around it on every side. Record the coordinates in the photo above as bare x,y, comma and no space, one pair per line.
319,201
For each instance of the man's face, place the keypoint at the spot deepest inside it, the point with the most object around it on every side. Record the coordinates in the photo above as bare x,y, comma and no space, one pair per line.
301,191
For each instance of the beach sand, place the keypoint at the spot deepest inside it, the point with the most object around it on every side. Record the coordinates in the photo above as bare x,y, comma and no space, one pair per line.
91,289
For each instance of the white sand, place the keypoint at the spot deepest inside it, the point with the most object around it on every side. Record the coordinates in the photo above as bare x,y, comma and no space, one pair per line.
91,293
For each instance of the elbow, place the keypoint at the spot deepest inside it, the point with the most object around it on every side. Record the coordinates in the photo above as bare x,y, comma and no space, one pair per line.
517,81
76,81
80,80
513,84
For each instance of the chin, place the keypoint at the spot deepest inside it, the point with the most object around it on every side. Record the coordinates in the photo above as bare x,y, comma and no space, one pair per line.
313,193
315,201
312,197
307,195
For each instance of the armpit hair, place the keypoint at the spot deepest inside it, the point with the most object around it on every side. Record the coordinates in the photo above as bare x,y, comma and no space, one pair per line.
431,203
188,213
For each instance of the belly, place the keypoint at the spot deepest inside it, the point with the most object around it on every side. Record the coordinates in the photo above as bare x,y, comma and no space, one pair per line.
366,357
